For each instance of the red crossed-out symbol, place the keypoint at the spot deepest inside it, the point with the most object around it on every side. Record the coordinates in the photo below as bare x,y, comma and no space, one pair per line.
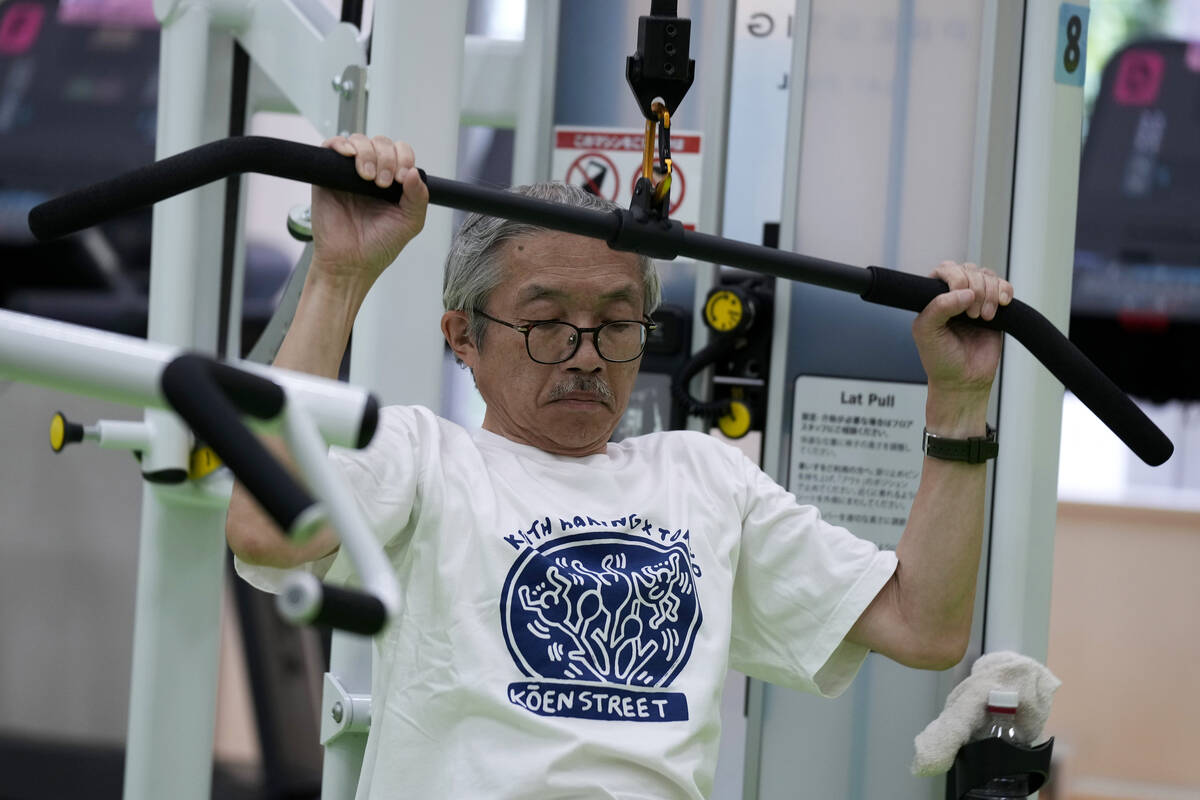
595,173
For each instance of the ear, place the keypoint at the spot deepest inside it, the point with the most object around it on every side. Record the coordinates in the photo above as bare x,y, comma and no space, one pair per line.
457,330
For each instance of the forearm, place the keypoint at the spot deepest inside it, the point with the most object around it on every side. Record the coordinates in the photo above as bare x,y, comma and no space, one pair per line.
316,340
939,551
315,344
255,538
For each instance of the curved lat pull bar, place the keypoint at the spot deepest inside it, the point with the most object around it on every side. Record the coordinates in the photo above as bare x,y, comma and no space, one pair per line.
622,229
209,395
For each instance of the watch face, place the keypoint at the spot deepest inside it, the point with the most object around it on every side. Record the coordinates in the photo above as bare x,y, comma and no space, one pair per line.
724,311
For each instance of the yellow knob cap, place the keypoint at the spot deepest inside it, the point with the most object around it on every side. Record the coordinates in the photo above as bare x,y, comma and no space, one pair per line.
723,311
736,423
58,432
64,432
203,463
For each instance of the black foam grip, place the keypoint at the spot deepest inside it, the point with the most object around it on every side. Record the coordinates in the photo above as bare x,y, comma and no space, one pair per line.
348,610
194,385
1048,345
194,168
370,422
253,394
94,204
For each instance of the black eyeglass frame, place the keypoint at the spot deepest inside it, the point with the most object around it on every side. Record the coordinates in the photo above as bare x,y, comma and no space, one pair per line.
524,330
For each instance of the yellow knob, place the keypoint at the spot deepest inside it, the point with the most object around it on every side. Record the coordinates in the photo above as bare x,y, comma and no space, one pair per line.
723,311
736,423
58,431
203,463
63,432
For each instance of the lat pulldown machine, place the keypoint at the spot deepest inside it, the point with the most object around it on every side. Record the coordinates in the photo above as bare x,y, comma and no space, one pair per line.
643,228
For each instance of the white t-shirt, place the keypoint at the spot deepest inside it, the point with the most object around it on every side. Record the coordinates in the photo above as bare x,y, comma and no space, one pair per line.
566,623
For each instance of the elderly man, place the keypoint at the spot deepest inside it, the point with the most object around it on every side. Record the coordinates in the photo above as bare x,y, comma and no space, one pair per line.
571,605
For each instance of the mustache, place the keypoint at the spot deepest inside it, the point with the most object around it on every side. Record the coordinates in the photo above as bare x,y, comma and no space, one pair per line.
588,384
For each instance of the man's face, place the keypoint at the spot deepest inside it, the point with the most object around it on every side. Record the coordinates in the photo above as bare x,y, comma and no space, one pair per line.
570,408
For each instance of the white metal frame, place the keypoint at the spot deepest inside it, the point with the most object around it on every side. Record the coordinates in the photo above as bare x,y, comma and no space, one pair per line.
1041,256
1035,250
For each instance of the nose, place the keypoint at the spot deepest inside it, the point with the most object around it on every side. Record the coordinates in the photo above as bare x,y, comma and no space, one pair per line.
586,357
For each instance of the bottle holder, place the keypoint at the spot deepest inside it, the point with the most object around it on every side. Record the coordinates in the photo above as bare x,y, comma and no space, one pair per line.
979,762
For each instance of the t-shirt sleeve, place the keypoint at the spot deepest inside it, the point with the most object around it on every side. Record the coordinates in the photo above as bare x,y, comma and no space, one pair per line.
800,585
384,479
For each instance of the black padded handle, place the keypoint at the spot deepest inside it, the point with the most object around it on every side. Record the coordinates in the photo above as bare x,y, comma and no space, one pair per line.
208,395
193,168
1048,345
307,601
323,166
350,610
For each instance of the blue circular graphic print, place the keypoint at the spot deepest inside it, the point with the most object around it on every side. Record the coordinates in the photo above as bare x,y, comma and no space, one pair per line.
604,607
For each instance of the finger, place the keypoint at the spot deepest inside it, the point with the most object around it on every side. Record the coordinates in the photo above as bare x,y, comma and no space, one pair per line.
406,159
415,198
991,294
1004,289
975,284
340,144
950,272
1006,292
943,308
385,161
364,160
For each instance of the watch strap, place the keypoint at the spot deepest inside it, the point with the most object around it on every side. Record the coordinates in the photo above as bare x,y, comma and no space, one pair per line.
974,450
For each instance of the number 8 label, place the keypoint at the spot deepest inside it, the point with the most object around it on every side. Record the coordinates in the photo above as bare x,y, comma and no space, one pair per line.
1071,54
1069,65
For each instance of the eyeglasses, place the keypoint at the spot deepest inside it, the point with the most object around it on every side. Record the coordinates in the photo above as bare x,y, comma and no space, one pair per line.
553,342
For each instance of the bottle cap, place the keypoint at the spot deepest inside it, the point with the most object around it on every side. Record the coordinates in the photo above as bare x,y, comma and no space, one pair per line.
1002,698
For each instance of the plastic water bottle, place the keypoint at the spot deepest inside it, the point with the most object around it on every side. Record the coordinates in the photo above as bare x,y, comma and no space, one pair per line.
1001,724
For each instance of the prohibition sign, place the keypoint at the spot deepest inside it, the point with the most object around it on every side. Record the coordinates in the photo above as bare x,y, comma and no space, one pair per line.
678,184
593,172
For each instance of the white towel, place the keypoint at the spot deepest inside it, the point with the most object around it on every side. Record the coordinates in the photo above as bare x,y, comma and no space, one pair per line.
966,708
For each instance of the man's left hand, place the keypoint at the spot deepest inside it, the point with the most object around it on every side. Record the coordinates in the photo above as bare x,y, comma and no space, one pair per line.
961,359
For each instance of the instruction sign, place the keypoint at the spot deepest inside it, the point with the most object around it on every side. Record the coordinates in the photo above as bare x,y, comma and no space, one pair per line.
608,161
856,452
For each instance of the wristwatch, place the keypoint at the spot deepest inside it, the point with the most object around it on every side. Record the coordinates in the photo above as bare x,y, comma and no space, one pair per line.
974,450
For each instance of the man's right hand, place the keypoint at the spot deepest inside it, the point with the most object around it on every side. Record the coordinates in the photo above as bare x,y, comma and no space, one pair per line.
356,237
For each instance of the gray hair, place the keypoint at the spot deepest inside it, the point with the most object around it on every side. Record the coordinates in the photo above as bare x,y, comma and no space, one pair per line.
474,269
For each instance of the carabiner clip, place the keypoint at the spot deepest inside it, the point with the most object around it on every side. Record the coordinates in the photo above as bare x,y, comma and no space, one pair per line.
662,192
656,198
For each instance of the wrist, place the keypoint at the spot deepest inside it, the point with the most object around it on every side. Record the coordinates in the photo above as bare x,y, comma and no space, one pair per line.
338,279
336,291
957,414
